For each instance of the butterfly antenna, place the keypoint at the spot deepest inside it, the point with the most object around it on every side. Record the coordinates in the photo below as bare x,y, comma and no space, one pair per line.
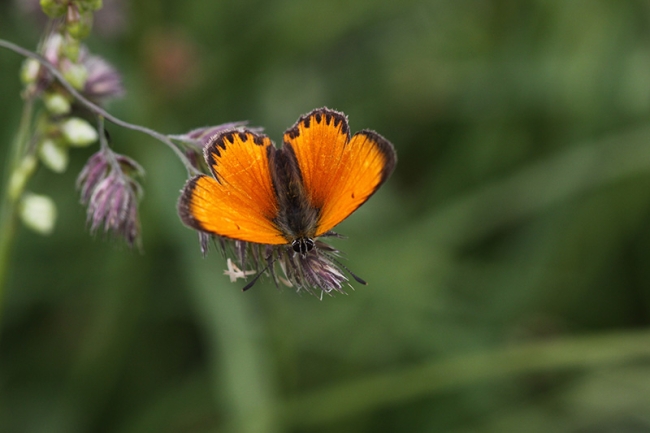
259,274
356,277
254,280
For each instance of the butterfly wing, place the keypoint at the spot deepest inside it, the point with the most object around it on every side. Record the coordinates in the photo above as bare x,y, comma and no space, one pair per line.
339,173
239,202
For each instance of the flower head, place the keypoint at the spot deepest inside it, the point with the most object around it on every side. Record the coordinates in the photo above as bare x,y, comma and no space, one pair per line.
111,194
196,140
315,272
202,136
97,79
103,81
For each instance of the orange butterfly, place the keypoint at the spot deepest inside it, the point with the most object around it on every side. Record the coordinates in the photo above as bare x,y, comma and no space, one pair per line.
287,196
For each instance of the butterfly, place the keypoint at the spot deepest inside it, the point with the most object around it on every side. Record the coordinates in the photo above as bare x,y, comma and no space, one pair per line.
286,196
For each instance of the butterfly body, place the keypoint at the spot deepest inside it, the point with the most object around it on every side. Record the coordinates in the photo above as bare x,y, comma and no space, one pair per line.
289,195
296,218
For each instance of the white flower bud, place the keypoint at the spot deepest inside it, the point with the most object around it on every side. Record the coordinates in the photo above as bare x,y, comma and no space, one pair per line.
78,132
38,212
53,155
56,103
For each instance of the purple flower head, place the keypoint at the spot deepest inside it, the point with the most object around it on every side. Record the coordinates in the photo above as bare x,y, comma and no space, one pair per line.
98,80
316,269
111,194
203,135
316,272
198,138
103,82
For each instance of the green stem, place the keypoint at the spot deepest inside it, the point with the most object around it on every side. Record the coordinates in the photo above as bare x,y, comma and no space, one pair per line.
242,377
375,391
8,211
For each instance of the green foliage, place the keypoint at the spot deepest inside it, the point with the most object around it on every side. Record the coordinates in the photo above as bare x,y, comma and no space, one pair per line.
507,258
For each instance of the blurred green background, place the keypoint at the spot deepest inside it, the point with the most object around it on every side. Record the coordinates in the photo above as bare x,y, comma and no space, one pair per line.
507,257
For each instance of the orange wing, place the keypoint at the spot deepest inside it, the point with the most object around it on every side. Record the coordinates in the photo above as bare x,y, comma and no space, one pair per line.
339,173
239,202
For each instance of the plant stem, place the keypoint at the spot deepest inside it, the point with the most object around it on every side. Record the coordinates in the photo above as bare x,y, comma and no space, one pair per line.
337,402
8,206
239,362
96,109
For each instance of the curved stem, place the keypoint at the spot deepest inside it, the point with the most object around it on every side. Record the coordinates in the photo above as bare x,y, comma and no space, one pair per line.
380,390
8,205
95,108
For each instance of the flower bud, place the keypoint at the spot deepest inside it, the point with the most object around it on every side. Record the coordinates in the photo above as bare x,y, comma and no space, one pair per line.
71,49
56,103
103,82
76,75
29,71
52,47
111,194
38,212
53,8
53,155
20,176
79,24
78,132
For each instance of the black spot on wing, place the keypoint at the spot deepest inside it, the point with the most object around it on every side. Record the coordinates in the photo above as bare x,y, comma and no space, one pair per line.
317,116
345,129
293,133
218,144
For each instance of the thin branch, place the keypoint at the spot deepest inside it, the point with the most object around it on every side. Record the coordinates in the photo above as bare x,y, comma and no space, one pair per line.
95,108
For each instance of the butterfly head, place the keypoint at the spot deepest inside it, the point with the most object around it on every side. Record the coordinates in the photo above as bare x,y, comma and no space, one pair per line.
302,245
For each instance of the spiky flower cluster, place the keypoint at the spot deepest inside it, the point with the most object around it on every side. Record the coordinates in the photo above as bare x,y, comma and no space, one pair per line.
317,272
111,193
